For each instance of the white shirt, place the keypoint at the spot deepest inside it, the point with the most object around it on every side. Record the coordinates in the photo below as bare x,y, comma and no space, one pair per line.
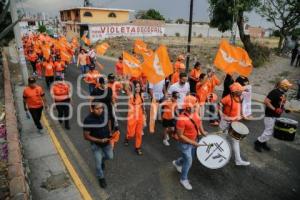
157,89
182,92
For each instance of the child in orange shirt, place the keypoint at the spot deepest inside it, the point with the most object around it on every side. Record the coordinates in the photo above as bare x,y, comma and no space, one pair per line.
169,107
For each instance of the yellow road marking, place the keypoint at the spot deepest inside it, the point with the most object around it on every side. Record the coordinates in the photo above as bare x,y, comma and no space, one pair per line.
80,186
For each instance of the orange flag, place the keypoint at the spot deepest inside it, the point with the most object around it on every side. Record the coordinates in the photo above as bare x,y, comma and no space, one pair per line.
153,114
232,59
131,65
46,51
74,42
102,48
158,66
65,56
86,40
140,47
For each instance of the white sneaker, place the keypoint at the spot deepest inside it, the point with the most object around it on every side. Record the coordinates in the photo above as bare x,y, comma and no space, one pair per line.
186,184
166,143
242,163
178,168
167,137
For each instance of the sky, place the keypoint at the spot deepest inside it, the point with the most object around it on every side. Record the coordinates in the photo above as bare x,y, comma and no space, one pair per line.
170,9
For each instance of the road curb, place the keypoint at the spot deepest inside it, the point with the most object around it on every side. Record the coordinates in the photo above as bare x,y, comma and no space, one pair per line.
18,181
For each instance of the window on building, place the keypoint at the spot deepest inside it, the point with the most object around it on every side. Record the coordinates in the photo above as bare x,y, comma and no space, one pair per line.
112,14
87,14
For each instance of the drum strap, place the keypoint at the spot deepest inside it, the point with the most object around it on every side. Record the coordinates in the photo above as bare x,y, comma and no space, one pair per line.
193,122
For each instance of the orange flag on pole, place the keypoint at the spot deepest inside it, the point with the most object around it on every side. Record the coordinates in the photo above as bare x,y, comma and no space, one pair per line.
46,51
140,47
232,59
86,40
131,65
102,48
158,66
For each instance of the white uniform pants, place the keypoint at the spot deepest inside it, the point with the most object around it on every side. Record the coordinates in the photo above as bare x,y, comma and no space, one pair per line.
269,129
224,126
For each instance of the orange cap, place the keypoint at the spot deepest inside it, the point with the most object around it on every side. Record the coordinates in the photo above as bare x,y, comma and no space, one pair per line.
236,87
189,101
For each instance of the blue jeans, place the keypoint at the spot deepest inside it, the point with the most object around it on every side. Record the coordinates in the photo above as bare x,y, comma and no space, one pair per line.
101,154
84,69
91,88
187,155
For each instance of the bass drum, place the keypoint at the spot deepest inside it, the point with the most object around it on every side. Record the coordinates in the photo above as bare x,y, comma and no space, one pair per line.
285,129
215,153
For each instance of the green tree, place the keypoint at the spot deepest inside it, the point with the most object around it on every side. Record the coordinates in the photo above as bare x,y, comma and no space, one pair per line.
149,14
180,21
222,13
284,14
42,28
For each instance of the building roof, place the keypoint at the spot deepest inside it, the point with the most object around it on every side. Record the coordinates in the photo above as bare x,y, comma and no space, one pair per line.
95,8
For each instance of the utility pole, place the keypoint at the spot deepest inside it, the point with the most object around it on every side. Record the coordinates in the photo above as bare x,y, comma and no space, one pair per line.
19,43
189,37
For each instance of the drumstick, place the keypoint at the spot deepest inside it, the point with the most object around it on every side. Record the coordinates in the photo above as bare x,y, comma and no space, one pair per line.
213,152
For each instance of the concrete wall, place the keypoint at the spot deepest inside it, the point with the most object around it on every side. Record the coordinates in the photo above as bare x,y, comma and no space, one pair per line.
204,30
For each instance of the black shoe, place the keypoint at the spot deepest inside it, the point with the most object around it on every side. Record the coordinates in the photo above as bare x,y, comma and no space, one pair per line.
265,146
67,126
126,142
102,182
258,146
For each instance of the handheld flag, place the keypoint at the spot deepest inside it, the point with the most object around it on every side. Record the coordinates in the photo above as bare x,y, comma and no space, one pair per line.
131,65
102,48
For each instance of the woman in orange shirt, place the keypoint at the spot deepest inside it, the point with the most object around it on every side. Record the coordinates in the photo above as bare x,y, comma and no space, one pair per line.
135,117
232,111
194,77
49,72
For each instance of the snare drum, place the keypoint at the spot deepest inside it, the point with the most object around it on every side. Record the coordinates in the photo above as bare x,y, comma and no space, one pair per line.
215,154
238,130
285,129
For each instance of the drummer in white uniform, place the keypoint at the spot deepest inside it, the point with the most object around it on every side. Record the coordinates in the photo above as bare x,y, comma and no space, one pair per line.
274,108
232,111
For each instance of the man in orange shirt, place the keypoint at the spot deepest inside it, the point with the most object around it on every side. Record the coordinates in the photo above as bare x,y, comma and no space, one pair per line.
179,64
61,94
119,68
169,107
194,77
91,78
232,111
34,101
212,81
32,57
189,128
49,72
59,68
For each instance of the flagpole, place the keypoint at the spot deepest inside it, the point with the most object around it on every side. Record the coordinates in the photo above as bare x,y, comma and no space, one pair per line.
189,37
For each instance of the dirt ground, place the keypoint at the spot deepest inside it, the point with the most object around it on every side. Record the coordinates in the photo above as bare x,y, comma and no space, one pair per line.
204,50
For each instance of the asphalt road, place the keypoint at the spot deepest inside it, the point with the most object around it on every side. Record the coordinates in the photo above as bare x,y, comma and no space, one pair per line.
273,175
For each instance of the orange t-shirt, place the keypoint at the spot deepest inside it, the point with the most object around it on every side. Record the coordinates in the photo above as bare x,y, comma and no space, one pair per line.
169,108
175,77
212,83
33,97
92,76
195,73
184,123
178,65
231,108
32,57
60,91
119,68
202,92
59,66
115,87
49,68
